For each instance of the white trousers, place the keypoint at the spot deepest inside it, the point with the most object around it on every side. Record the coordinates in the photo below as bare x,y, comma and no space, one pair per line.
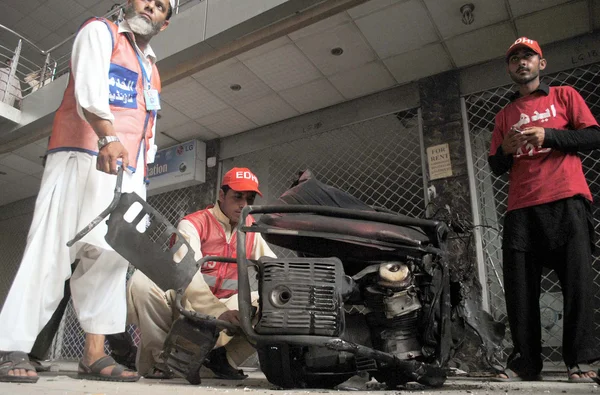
153,311
72,193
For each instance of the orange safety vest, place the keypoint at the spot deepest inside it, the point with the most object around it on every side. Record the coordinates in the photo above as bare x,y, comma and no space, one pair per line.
126,99
221,277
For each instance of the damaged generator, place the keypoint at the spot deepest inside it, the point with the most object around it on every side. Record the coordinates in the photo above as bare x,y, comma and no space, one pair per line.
367,291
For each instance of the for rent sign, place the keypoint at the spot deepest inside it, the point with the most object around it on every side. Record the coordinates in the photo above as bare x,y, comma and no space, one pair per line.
438,158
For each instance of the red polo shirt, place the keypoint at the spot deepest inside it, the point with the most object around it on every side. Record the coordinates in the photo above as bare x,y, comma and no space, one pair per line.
541,175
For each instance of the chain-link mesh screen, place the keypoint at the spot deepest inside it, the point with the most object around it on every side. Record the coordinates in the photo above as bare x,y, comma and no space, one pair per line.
492,194
377,161
174,205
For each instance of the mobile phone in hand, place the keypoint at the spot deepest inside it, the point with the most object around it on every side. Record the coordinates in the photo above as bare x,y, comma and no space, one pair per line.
515,129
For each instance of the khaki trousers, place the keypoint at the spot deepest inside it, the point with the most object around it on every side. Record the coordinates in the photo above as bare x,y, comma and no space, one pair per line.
153,311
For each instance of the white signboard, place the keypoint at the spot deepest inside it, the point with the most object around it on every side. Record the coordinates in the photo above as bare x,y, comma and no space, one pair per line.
177,167
438,158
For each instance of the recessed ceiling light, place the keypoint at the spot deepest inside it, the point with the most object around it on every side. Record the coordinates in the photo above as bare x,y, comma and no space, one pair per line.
235,87
337,51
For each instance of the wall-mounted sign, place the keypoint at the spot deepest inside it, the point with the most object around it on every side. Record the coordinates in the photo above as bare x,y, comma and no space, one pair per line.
438,158
177,167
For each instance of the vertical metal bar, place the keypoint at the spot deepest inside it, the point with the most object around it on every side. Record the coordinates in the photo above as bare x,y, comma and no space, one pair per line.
12,72
219,177
44,69
177,7
54,67
481,269
423,159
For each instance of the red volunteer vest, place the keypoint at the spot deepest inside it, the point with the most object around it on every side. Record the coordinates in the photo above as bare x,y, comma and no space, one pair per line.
221,277
126,99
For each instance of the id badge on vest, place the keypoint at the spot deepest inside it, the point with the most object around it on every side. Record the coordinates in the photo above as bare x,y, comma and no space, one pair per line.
152,99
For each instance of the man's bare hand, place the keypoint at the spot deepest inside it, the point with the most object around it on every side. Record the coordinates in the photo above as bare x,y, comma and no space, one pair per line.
535,135
108,156
512,141
231,316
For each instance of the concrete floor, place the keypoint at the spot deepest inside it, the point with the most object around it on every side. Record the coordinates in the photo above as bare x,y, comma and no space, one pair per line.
65,383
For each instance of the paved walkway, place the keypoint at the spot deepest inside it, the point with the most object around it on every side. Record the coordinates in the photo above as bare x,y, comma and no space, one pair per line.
65,383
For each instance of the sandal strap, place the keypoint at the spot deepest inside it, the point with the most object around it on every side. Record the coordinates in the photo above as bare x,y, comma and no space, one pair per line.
118,370
102,363
14,360
579,368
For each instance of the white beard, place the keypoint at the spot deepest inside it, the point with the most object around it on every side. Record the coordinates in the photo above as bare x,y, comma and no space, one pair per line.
139,25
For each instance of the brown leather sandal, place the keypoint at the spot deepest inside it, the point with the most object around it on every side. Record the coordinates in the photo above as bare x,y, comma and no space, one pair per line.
92,372
16,360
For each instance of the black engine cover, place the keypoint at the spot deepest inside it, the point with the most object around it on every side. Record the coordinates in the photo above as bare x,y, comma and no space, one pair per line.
301,296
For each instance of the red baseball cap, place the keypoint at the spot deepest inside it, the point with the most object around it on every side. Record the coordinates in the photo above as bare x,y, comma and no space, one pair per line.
241,179
524,42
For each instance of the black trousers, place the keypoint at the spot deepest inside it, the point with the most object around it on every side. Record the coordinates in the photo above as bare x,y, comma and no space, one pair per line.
572,263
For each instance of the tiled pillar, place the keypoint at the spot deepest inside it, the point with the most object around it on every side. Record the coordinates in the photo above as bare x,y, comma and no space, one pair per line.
442,123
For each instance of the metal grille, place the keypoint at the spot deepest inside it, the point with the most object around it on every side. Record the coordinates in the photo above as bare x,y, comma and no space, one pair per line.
492,193
303,296
174,205
377,161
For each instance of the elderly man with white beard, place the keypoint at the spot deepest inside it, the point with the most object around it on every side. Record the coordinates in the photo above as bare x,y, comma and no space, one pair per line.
106,119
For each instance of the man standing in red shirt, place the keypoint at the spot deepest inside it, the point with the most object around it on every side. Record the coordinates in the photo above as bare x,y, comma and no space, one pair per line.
548,221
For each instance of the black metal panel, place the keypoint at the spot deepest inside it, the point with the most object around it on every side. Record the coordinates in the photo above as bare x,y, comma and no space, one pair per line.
301,296
151,251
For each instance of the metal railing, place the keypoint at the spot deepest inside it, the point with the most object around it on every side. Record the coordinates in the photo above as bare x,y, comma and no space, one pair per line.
20,76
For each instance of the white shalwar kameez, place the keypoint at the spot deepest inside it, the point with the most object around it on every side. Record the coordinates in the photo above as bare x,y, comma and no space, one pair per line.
72,194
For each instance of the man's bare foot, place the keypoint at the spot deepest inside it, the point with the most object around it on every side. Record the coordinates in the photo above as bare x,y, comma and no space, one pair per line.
581,373
511,375
22,373
588,374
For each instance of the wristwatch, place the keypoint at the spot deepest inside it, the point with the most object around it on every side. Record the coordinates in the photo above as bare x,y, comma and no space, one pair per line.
102,141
